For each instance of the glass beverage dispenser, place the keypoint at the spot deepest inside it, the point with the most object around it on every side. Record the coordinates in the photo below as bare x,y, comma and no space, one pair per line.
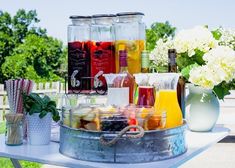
102,47
79,54
130,36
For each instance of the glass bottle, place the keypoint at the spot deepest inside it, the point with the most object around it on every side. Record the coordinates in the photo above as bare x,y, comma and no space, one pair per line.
144,61
130,36
79,54
172,67
102,46
127,80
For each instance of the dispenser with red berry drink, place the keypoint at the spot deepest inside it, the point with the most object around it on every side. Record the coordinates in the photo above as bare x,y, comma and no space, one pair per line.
102,47
79,54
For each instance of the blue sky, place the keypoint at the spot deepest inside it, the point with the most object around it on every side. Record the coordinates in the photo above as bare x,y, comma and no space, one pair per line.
54,14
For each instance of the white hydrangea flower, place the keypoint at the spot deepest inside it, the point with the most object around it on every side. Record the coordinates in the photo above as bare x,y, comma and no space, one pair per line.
220,66
187,41
223,58
227,37
159,55
204,76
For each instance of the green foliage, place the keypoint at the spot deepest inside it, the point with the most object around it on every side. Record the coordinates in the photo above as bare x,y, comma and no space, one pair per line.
33,103
183,60
153,67
158,30
216,34
222,90
26,51
185,71
38,58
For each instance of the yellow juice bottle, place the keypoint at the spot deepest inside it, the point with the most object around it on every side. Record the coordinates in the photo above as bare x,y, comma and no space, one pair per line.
166,101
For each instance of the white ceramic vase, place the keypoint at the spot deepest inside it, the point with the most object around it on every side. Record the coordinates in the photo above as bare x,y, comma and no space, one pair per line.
202,109
39,129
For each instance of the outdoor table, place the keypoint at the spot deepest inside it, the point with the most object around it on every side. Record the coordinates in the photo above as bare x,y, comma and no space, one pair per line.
49,154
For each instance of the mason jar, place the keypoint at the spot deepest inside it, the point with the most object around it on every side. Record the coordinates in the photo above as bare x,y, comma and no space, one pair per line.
79,54
14,133
130,36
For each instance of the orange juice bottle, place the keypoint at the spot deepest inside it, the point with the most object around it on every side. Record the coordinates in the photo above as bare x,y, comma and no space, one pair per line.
166,99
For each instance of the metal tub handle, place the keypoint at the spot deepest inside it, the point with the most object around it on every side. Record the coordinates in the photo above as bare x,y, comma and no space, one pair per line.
138,134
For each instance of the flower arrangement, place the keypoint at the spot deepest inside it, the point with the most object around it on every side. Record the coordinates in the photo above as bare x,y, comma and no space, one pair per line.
205,58
217,73
190,40
191,45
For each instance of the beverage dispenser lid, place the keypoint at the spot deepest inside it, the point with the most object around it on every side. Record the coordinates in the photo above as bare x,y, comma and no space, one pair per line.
129,13
103,15
79,17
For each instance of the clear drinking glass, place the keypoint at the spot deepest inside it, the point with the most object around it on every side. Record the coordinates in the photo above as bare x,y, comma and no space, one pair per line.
14,133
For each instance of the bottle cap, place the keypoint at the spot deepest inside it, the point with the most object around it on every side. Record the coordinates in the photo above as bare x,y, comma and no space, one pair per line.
171,51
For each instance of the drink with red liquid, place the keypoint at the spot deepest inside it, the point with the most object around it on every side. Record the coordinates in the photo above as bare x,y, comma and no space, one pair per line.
79,54
125,80
102,58
79,59
102,48
146,96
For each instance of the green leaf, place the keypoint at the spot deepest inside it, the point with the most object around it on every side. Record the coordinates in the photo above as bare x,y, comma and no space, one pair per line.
51,109
185,71
216,34
35,108
43,113
46,99
36,98
56,118
221,90
198,57
52,103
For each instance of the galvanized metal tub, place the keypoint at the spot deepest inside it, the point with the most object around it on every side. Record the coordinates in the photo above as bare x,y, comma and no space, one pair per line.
153,146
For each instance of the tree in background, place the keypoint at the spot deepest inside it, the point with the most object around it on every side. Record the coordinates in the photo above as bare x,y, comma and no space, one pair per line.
26,51
157,31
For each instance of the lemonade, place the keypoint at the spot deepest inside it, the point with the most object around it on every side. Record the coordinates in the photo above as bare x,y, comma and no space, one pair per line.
134,49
